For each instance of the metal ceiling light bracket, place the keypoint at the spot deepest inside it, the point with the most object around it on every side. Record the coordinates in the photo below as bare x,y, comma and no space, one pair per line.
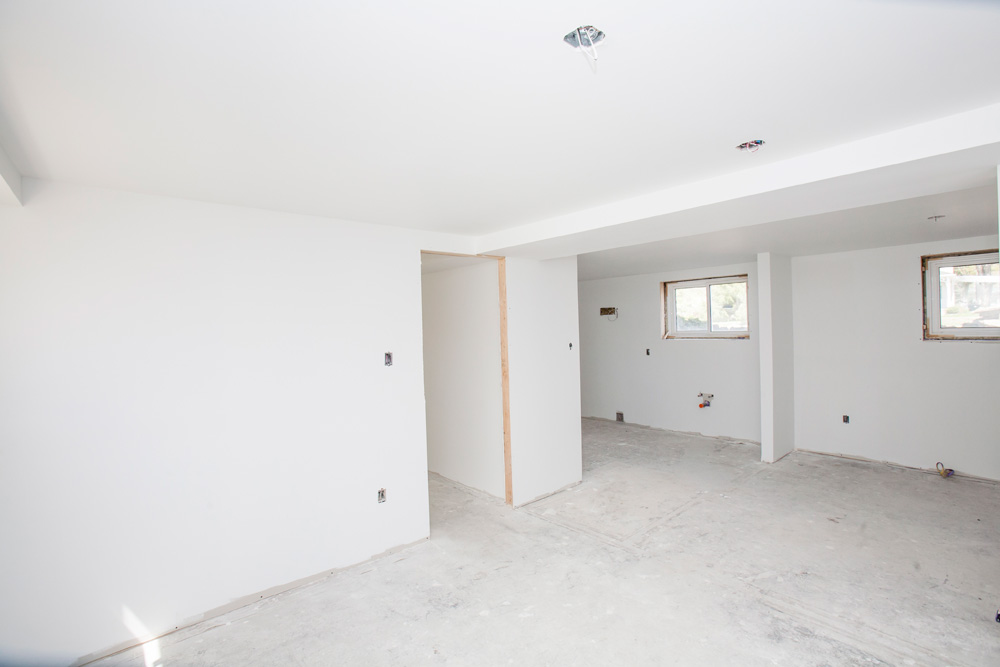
585,38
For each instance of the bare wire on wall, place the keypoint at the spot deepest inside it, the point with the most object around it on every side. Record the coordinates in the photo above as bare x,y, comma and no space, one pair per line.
751,146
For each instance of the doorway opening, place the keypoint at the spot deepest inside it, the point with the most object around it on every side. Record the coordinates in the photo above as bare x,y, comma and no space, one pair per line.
466,389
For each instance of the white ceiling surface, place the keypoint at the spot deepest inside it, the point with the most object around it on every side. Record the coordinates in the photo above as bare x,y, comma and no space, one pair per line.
476,119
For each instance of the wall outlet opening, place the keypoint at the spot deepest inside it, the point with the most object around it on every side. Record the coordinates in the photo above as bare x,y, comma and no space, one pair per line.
619,416
381,495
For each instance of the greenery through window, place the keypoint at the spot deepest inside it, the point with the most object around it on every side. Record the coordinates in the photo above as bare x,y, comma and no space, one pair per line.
706,308
962,296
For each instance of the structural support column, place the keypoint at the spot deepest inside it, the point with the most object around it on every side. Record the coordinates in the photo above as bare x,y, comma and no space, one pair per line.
777,376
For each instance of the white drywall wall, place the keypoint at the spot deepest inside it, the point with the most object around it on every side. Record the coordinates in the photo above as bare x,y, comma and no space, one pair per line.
859,352
546,445
776,342
194,407
661,389
462,378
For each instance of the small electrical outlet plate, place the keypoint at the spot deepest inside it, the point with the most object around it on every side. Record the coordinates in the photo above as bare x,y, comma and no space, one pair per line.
381,495
647,351
619,416
609,311
847,420
388,361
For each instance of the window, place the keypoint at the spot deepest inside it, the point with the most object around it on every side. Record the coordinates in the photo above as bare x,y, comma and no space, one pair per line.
709,308
962,296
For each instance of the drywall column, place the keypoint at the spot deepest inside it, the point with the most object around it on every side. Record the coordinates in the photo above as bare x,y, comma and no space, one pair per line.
544,360
462,386
777,382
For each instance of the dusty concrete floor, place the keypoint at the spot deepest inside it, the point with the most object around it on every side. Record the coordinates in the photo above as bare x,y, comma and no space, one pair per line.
675,550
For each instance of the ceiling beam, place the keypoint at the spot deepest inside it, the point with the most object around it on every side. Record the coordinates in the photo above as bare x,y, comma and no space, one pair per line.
10,180
951,153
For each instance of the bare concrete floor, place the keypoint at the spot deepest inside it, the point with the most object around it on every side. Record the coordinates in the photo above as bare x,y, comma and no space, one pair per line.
675,550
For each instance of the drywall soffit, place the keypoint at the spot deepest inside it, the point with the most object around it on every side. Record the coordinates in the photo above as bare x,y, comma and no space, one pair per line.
953,153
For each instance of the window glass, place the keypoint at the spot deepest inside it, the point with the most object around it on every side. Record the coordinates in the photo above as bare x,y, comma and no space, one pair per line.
692,308
962,296
729,306
706,308
970,296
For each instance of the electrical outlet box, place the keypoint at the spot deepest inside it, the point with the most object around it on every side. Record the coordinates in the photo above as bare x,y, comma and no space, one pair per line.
388,358
609,311
847,420
381,495
619,416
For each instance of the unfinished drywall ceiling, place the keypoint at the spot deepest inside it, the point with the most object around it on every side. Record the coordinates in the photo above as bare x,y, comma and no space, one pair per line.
469,118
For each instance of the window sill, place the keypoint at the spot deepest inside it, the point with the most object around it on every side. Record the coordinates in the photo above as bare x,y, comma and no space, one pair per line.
672,337
967,339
